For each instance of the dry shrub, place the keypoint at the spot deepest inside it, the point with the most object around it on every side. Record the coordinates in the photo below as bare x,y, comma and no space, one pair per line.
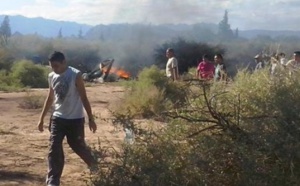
150,95
31,101
245,133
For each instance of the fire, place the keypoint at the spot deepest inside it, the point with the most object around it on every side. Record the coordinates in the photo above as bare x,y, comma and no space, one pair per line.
119,72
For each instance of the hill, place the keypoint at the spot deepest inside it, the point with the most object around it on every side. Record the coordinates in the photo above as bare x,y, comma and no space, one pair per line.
44,27
199,31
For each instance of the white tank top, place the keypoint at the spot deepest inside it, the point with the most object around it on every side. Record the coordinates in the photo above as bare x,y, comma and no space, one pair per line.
67,102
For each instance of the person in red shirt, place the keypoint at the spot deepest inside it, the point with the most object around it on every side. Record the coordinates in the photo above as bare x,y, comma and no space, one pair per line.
205,69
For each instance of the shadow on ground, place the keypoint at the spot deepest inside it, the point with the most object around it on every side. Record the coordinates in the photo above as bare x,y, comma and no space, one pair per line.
19,176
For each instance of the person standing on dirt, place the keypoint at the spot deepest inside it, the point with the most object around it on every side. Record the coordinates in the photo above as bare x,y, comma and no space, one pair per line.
172,65
67,92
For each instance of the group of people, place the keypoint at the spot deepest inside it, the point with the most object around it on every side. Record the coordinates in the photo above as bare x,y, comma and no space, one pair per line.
216,70
206,69
278,61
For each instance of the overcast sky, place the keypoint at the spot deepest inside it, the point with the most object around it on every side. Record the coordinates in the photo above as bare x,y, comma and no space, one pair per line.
244,14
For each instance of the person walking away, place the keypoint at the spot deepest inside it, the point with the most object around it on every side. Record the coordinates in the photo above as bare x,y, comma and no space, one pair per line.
205,69
67,92
172,65
220,70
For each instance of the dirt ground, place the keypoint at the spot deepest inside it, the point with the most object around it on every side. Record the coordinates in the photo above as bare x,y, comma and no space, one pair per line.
23,149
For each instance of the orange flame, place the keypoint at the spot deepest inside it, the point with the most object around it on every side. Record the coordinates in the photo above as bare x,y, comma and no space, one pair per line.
119,72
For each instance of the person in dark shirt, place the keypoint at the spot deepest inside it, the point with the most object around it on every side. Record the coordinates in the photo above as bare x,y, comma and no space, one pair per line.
259,62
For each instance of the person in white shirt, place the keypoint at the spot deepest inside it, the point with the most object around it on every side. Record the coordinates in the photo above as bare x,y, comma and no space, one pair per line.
172,65
294,64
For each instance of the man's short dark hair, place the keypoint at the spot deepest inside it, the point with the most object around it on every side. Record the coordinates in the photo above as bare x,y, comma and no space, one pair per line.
56,56
170,50
220,56
297,53
282,54
205,56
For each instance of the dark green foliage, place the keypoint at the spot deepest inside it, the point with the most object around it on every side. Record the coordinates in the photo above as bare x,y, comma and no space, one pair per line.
6,59
5,27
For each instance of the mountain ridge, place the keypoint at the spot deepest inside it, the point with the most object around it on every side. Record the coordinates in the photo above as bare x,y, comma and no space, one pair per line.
50,28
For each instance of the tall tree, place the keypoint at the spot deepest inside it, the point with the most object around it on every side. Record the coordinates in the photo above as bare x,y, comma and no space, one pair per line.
236,34
225,32
59,35
80,33
5,31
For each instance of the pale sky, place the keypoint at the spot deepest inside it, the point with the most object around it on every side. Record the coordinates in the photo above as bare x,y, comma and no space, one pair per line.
244,14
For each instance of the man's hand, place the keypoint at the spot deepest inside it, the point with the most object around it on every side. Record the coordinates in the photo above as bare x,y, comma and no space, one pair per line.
92,126
41,126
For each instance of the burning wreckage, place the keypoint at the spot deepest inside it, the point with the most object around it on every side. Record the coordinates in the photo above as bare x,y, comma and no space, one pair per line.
104,72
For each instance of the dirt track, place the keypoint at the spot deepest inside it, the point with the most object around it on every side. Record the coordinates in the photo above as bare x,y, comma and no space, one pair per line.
23,149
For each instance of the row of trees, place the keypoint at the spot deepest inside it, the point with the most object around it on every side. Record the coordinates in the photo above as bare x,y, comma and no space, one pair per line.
6,33
224,30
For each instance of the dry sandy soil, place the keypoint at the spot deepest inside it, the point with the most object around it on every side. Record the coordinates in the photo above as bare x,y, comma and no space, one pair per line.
23,149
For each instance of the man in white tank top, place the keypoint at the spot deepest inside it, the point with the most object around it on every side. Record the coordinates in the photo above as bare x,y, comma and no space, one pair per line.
67,93
172,65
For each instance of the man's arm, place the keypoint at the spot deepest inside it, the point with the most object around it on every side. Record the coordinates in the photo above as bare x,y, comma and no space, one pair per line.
290,65
213,69
175,73
86,104
46,107
199,73
223,73
174,69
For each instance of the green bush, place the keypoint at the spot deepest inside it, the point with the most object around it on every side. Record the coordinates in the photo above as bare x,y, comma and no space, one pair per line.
243,133
29,74
151,94
7,83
